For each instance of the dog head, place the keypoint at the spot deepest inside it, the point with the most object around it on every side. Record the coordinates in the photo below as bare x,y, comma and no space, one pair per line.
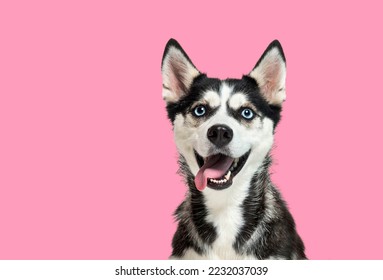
223,128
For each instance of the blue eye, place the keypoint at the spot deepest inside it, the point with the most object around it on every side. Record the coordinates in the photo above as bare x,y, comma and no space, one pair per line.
199,111
247,113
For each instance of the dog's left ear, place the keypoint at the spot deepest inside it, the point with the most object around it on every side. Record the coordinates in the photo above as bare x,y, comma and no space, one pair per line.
270,74
178,72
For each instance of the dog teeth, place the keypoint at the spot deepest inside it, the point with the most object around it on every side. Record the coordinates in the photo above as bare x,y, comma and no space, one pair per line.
216,181
223,180
234,165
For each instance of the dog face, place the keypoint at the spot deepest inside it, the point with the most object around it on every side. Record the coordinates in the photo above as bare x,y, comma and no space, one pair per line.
223,128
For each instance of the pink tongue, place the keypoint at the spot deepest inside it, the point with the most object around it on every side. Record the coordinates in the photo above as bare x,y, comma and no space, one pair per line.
215,167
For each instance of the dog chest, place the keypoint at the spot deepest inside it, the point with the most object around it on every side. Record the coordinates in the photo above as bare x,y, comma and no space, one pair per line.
225,213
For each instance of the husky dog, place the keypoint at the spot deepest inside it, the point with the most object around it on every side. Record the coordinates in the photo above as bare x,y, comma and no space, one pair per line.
224,132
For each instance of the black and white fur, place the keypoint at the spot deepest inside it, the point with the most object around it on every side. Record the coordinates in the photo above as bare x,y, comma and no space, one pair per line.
248,219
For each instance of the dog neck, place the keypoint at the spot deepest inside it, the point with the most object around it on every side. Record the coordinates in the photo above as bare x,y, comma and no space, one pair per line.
228,216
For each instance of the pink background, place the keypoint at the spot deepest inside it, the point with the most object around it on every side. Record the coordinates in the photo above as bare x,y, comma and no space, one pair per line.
87,159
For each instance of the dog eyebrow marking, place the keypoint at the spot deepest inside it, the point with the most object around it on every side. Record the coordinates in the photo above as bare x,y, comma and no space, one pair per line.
212,98
237,100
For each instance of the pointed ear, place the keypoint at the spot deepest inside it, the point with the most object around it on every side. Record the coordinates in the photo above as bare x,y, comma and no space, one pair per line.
178,72
270,74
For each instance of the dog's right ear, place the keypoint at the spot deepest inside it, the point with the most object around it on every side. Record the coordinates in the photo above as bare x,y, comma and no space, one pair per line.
178,72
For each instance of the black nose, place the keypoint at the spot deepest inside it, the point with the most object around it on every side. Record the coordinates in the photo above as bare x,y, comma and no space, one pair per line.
220,135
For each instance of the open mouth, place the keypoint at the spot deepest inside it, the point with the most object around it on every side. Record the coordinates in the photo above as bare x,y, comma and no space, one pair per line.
217,171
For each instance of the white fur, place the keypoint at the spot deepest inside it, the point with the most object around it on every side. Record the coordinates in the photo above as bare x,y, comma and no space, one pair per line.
237,101
212,98
190,254
258,137
224,207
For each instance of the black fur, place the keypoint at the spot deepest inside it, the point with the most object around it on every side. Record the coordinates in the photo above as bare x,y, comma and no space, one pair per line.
249,87
269,218
246,85
195,205
200,84
278,236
